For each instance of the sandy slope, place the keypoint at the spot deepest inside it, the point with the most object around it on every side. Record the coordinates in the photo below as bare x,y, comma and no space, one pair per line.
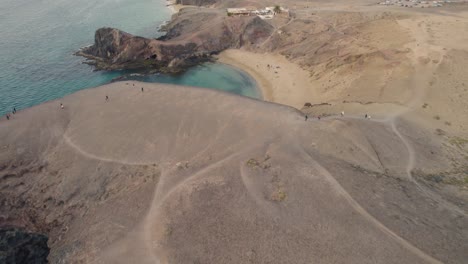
181,175
391,63
368,59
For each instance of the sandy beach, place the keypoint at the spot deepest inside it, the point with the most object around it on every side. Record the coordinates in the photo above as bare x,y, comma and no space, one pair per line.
381,74
280,80
175,8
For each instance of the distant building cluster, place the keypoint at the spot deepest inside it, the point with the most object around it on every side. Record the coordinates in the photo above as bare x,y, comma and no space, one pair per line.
417,3
265,13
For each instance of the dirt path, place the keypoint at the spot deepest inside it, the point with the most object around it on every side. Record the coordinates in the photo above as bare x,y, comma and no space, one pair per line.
78,149
422,49
358,208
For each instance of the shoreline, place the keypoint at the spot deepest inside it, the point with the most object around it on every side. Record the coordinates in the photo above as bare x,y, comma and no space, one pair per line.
279,80
173,7
263,85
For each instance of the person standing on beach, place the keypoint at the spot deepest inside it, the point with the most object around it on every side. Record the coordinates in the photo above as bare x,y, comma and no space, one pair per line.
107,98
318,117
14,110
306,117
342,113
7,116
142,90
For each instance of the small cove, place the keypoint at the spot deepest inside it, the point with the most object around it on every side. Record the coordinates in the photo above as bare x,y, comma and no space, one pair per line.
39,38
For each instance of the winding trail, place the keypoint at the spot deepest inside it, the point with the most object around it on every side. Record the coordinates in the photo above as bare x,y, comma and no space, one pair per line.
358,208
71,144
421,48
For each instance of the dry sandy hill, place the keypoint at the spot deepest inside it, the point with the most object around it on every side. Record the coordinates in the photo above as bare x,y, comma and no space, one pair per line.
364,58
189,175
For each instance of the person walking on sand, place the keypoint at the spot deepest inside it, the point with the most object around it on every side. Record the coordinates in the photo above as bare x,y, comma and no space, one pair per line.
142,90
107,98
7,116
61,106
318,117
365,116
14,110
306,117
342,113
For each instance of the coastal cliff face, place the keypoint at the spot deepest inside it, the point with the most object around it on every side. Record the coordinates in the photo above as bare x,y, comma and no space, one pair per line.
192,36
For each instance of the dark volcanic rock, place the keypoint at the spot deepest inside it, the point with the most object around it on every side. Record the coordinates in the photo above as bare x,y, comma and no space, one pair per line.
196,2
192,37
18,246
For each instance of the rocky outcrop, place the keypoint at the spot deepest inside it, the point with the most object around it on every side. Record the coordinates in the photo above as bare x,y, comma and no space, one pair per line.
196,2
192,37
18,246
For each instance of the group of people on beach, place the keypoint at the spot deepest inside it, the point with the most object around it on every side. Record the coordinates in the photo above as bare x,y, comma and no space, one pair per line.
8,116
106,98
342,114
272,67
307,117
318,117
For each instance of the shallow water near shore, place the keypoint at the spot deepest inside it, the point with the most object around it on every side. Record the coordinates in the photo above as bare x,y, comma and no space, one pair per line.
39,38
209,75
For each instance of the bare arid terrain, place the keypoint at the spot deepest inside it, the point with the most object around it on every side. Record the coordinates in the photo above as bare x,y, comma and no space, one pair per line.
360,58
189,175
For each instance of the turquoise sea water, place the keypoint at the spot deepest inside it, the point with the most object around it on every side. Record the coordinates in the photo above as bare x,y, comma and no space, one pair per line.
38,39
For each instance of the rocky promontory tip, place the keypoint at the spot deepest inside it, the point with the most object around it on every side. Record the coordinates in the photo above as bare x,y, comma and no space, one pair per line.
192,37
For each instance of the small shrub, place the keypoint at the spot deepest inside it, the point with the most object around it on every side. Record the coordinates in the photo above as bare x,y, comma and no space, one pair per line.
435,178
252,163
458,141
440,132
279,196
437,117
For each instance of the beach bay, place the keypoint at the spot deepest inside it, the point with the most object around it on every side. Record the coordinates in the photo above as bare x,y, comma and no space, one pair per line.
39,38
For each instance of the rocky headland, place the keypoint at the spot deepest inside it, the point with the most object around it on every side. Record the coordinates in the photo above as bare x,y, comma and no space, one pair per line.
192,37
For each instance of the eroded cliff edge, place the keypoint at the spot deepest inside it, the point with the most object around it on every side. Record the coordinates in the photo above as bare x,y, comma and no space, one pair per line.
192,37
